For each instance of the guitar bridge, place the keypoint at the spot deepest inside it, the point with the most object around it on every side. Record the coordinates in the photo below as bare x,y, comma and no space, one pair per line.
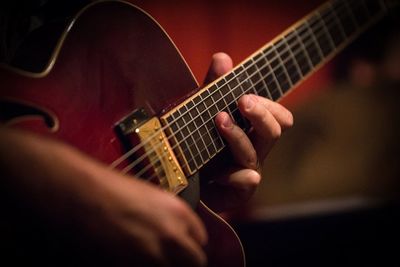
153,158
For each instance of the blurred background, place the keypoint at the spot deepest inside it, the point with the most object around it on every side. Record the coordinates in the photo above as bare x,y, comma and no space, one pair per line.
330,191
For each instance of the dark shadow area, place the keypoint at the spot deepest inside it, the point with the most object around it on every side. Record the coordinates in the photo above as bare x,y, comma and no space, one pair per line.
364,237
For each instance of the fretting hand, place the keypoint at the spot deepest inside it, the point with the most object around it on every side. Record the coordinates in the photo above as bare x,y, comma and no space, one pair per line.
236,180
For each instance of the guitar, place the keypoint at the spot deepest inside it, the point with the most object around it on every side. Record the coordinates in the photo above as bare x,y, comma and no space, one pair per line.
121,92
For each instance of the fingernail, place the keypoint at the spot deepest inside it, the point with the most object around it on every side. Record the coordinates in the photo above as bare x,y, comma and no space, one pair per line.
227,123
250,102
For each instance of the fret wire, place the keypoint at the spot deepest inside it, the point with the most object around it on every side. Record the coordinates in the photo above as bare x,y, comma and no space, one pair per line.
133,150
334,47
258,68
324,41
186,140
214,139
223,96
283,65
332,25
262,80
172,135
302,43
296,64
345,16
214,146
247,80
201,139
250,80
218,135
237,108
315,40
187,120
209,114
219,139
192,159
311,65
310,45
291,65
240,80
189,140
336,18
243,78
271,72
195,140
304,52
246,83
241,83
326,31
261,76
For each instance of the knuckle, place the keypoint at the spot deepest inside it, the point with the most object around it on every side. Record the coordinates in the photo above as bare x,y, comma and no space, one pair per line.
179,209
276,132
169,231
249,187
252,160
289,119
241,134
237,135
254,180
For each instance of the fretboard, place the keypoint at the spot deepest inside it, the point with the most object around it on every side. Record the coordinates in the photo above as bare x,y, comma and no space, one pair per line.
270,72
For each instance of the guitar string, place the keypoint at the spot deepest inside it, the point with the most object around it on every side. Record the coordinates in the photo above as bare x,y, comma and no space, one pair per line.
137,161
294,52
353,35
287,48
206,147
319,27
136,148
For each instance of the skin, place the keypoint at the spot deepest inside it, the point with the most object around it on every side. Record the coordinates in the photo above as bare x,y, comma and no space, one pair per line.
133,222
234,183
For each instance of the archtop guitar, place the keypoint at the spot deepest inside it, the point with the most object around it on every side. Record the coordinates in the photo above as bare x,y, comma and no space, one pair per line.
114,85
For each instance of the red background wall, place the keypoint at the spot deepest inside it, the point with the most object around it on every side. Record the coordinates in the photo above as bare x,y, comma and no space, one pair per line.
202,28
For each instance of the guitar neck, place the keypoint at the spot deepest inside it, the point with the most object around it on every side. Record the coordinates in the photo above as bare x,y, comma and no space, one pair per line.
271,72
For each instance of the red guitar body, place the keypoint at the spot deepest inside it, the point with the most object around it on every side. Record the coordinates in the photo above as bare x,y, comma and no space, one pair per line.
110,60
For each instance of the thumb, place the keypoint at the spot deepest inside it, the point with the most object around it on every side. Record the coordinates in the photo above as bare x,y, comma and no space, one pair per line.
221,63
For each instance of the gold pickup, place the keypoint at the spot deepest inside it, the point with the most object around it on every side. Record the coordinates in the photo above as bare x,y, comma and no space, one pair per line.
162,163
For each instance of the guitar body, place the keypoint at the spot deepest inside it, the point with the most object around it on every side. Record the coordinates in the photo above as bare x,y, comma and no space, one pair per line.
111,60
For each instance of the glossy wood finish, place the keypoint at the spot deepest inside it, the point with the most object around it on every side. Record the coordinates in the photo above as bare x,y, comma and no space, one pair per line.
113,59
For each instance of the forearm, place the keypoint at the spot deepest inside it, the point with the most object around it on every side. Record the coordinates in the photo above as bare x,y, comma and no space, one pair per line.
45,176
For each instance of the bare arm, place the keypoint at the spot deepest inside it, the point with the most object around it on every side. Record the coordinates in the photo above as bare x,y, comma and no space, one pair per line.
131,220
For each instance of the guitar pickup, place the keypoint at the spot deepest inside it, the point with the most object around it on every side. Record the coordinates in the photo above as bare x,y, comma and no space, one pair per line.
153,157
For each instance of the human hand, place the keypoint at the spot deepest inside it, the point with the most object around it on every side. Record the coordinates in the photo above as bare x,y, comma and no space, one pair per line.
146,226
236,181
109,218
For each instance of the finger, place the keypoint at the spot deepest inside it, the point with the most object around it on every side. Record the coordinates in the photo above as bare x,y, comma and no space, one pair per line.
283,116
244,180
221,63
261,118
239,143
198,231
194,225
184,251
232,189
266,124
